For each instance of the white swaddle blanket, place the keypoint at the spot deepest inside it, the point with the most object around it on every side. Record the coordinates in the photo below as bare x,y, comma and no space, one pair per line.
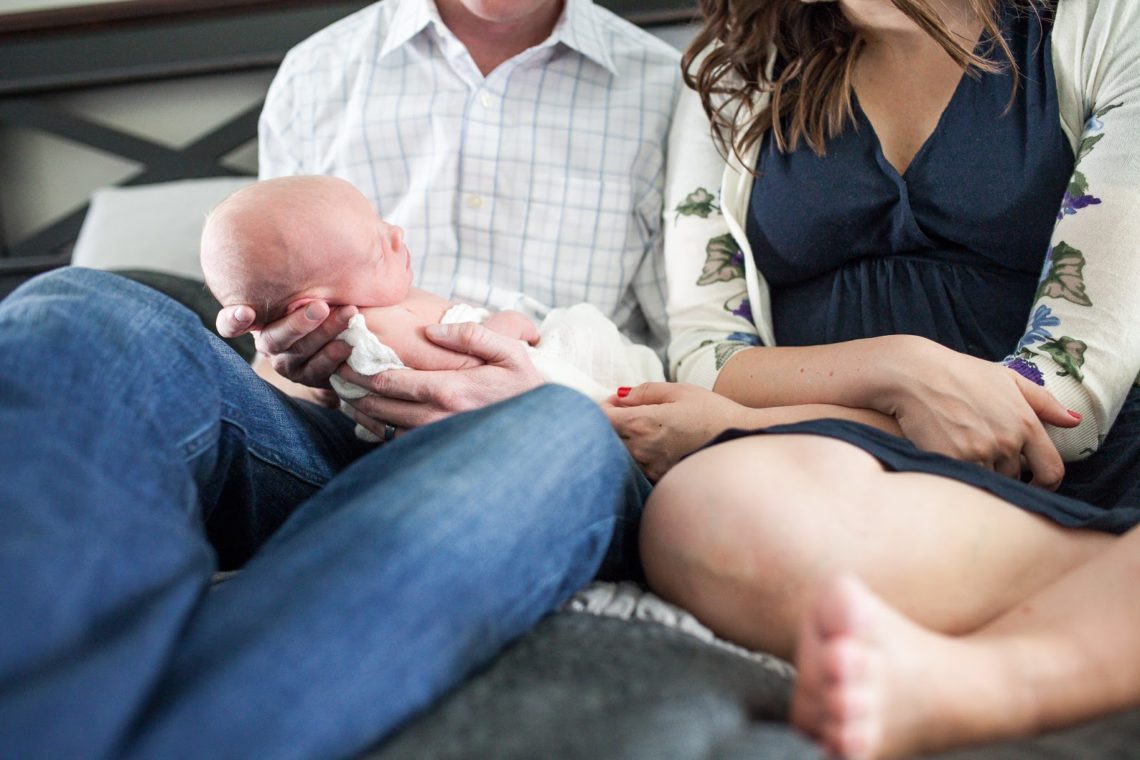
578,347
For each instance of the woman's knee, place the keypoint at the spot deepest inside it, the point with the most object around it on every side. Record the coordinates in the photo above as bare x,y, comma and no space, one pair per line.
709,517
747,516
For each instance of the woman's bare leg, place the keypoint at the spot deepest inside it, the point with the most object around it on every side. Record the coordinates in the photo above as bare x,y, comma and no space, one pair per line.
873,684
744,534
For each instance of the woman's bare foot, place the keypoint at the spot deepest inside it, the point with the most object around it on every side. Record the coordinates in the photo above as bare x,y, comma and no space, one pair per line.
873,684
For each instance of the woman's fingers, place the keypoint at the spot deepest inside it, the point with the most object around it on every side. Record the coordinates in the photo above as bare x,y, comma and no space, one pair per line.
1044,405
1043,460
1008,465
647,393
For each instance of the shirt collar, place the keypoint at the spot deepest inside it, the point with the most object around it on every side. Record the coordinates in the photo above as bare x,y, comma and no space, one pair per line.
409,18
578,29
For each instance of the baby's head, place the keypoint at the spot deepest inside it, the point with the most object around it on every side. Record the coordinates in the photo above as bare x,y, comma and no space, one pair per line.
280,243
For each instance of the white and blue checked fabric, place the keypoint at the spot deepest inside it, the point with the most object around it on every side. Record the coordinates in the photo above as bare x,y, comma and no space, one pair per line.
545,178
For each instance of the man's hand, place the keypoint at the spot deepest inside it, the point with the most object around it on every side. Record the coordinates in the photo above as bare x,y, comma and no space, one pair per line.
300,346
408,398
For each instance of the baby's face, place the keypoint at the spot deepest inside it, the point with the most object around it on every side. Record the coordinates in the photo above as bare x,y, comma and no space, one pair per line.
363,262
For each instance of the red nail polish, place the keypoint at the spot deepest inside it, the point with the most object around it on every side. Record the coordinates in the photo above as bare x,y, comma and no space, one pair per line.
624,391
1076,416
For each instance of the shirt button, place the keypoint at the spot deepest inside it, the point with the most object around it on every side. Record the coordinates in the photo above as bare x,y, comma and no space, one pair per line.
475,201
485,100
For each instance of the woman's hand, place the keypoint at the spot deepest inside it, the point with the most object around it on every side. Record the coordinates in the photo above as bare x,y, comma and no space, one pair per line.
978,411
408,398
662,422
300,346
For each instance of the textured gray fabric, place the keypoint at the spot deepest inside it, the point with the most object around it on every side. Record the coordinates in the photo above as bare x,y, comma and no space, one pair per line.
583,687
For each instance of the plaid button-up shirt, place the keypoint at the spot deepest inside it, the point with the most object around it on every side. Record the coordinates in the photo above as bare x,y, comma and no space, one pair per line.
541,182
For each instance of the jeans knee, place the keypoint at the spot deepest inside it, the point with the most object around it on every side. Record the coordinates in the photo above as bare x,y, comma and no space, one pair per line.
108,340
576,425
82,306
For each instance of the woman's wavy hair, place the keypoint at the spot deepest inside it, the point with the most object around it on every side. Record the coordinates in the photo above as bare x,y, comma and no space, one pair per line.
816,48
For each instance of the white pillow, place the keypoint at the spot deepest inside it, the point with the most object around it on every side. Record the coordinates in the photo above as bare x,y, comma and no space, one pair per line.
150,226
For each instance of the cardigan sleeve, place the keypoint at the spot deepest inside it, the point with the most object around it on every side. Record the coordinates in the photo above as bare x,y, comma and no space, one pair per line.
1083,338
710,317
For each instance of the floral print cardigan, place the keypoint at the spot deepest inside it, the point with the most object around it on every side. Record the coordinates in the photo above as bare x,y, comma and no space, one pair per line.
1082,338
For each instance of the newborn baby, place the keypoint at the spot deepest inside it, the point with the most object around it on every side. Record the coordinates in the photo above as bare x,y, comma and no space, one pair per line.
279,244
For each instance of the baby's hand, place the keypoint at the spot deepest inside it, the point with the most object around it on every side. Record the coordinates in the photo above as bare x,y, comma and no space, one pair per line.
513,324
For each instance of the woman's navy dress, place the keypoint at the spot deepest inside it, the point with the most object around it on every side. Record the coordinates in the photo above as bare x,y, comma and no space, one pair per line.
951,250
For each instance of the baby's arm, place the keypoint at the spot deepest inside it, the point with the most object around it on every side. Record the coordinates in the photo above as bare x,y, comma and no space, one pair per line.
513,324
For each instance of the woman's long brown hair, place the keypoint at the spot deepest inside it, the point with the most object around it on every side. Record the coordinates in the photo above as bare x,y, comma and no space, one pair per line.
817,48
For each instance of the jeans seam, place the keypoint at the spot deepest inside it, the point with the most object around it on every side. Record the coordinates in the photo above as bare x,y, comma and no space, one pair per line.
268,456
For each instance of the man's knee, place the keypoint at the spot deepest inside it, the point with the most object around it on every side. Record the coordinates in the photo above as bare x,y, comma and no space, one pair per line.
567,449
554,412
97,305
105,340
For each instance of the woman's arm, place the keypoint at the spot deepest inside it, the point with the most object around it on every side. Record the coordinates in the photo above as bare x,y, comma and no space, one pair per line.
663,422
1082,342
709,309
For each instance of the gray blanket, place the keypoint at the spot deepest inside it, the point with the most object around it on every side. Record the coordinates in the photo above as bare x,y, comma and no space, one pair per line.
585,687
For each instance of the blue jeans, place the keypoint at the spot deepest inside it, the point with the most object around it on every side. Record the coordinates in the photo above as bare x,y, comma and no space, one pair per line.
140,454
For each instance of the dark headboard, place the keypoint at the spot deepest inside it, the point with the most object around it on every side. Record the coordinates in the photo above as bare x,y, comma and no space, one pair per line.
46,53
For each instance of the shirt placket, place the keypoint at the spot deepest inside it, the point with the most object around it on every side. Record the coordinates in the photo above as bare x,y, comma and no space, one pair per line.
479,153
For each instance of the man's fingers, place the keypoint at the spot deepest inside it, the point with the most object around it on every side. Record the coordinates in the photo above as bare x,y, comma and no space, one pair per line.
316,371
312,358
374,411
395,384
378,428
475,340
334,325
279,337
233,321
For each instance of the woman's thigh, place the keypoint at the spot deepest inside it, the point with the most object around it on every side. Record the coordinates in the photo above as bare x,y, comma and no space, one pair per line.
743,532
